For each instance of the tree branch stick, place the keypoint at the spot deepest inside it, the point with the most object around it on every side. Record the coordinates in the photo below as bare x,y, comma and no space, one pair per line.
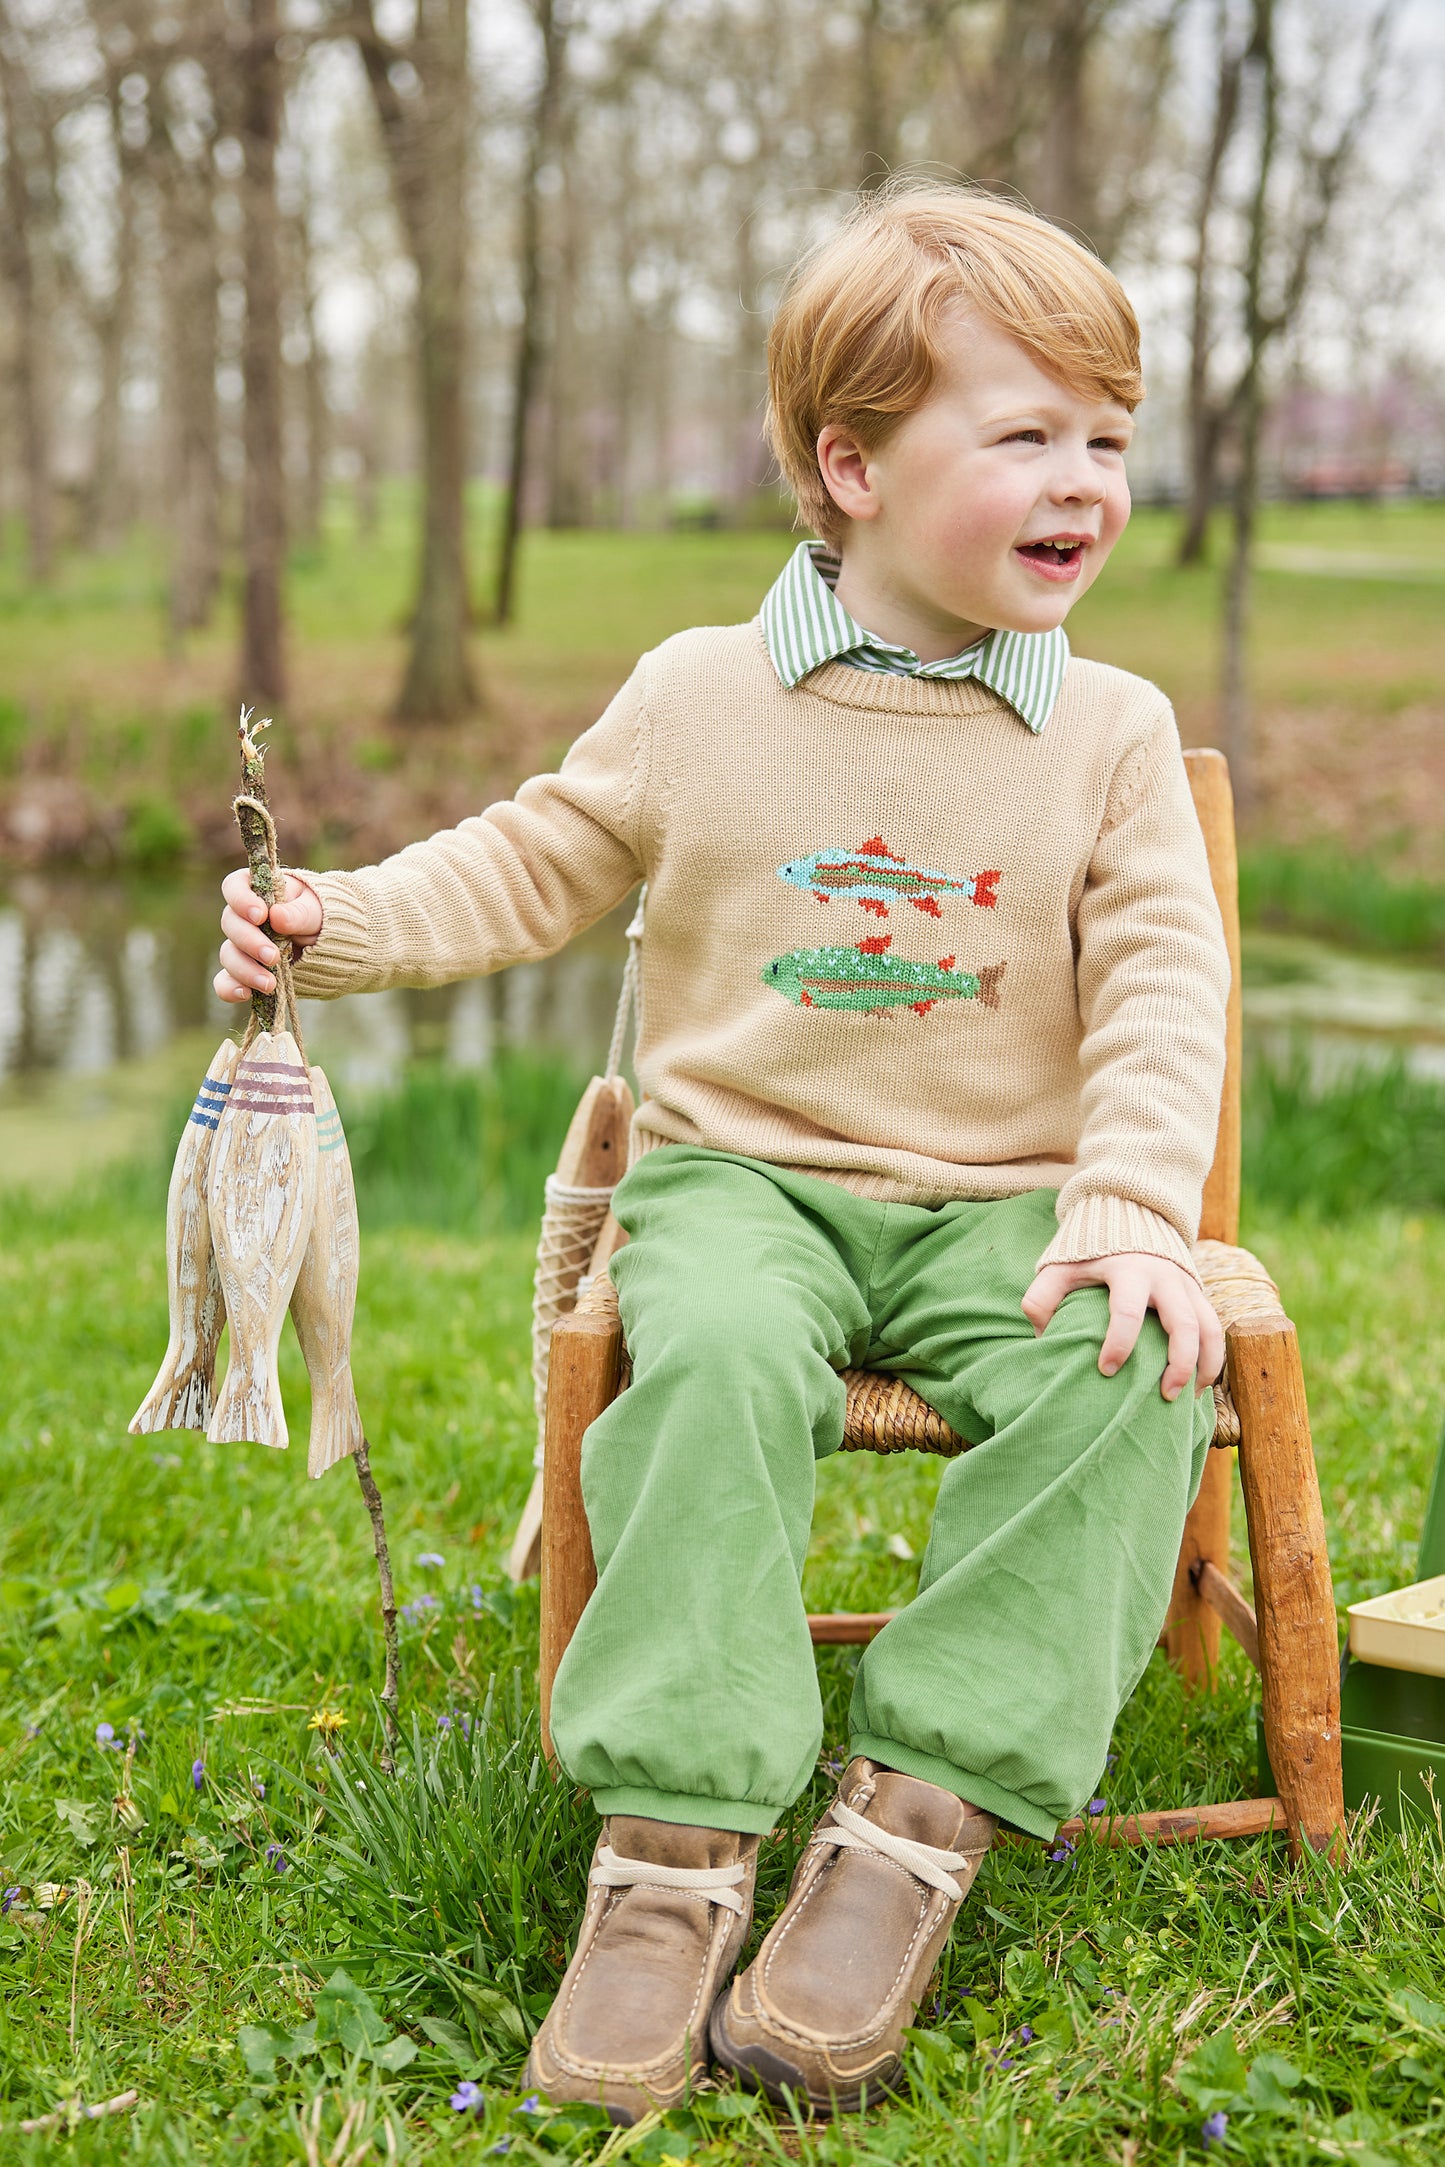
390,1691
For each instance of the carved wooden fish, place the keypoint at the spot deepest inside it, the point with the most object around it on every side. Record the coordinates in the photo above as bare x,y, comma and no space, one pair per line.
262,1198
180,1398
323,1302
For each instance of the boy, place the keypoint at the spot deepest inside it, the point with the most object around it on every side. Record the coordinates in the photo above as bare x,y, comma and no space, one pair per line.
933,1030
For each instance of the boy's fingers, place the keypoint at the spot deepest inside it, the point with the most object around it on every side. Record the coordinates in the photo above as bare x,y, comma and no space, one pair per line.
251,940
1180,1320
244,970
227,988
1128,1305
242,897
1211,1343
1044,1296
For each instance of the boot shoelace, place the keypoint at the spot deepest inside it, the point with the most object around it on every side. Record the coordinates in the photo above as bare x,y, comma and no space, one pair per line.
717,1883
929,1862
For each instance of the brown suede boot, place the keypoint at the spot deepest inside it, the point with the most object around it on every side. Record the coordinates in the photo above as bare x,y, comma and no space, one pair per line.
822,2007
668,1909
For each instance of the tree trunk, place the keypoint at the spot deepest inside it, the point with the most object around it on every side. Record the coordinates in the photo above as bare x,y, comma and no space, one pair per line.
426,138
529,338
20,251
316,411
1237,732
438,685
1064,180
192,290
566,489
1205,417
263,503
106,514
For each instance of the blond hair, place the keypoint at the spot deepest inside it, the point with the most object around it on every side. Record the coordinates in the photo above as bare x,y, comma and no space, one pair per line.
856,337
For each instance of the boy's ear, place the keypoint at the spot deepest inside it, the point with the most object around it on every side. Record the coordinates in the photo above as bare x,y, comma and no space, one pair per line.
847,470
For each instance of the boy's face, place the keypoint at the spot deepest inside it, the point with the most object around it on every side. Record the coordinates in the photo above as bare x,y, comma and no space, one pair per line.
951,518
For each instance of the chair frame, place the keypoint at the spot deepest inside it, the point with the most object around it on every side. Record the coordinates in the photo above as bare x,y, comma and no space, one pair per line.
1291,1636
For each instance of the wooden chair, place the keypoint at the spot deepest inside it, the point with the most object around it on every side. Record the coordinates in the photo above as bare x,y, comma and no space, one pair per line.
1291,1638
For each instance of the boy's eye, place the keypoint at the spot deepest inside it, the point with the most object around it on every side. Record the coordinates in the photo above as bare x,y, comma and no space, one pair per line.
1024,436
1108,443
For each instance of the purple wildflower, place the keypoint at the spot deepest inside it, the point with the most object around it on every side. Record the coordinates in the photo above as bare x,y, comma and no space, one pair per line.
1026,2033
198,1775
431,1557
8,1898
468,2098
105,1738
503,2144
531,2105
444,1723
1064,1855
1098,1805
1213,2127
276,1857
420,1605
1109,1759
477,1598
466,1726
258,1787
32,1730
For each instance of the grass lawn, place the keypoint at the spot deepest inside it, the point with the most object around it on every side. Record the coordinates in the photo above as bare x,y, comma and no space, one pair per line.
208,1601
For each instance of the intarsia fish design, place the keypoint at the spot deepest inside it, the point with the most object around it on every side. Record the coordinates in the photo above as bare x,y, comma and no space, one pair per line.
867,979
873,876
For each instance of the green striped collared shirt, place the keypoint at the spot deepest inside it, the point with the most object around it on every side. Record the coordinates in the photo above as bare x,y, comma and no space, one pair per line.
805,625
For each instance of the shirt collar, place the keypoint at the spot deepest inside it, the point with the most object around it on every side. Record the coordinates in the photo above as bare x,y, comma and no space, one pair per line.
805,625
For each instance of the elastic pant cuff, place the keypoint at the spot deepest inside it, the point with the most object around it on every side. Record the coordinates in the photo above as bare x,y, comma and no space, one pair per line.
979,1791
742,1815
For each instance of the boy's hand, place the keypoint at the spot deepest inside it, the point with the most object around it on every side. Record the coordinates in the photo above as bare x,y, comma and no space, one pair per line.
1137,1284
248,948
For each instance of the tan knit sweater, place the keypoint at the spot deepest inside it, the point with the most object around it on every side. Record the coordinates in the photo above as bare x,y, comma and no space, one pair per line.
1017,980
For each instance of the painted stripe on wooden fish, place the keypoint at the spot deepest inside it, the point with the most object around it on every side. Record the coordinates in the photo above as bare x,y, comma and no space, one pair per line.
868,980
323,1301
210,1104
184,1389
261,1194
873,876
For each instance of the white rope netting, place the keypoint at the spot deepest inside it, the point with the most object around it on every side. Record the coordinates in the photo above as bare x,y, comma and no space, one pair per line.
573,1217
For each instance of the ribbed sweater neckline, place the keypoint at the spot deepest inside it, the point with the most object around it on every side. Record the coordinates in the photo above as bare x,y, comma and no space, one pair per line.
882,692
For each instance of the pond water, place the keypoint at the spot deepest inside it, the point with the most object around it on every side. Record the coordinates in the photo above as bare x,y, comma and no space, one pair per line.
98,977
95,976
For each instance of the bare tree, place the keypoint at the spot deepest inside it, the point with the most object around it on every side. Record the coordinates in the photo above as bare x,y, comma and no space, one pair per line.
263,500
422,97
1206,414
183,151
552,22
24,257
1281,253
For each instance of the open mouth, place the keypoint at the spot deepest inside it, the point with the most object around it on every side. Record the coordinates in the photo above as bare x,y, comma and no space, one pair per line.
1053,556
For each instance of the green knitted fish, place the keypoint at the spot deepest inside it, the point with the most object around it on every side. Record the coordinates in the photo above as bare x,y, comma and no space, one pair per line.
866,978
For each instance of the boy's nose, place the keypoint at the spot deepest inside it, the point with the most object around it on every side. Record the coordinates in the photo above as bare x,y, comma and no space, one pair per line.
1075,479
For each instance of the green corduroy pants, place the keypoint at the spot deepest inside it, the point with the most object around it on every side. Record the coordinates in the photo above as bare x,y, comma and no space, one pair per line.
689,1691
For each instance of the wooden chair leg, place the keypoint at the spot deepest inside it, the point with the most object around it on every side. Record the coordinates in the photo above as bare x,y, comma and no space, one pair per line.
1299,1661
1192,1633
584,1376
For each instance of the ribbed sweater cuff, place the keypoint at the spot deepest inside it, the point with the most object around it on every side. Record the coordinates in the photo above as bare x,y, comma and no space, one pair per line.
1111,1226
339,959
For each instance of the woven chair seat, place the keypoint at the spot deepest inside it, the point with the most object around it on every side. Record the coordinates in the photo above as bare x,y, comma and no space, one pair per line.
886,1415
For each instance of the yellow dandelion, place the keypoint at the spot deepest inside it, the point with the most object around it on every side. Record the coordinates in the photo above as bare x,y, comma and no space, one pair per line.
328,1721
